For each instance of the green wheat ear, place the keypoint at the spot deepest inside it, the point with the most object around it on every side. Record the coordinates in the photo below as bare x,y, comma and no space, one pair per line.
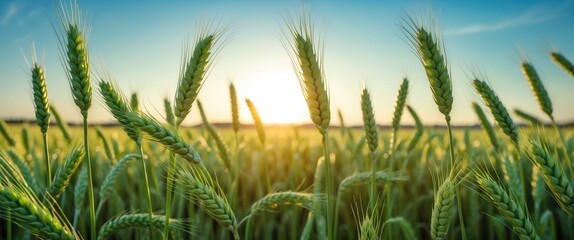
563,62
537,88
75,54
430,51
371,132
40,98
497,109
116,103
195,67
508,206
400,103
308,65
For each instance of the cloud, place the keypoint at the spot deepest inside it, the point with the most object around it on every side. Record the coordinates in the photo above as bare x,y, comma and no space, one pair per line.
10,12
532,16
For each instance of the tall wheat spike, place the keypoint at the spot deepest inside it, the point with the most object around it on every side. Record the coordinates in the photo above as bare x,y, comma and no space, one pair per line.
234,108
196,64
563,62
430,51
6,134
307,63
537,88
443,203
137,220
74,48
221,147
497,109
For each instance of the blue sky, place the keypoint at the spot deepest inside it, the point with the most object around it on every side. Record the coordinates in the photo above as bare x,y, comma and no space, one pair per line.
140,43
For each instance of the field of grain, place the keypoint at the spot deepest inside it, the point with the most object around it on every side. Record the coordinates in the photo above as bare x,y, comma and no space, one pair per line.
147,177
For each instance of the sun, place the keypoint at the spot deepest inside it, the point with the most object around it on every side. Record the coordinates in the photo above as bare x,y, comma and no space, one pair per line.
276,95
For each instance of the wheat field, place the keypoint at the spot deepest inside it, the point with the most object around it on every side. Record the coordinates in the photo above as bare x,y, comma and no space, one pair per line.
150,177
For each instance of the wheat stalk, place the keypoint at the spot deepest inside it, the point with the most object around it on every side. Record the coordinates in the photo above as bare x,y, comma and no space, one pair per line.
512,176
42,108
169,117
307,63
74,48
368,229
274,200
563,62
117,106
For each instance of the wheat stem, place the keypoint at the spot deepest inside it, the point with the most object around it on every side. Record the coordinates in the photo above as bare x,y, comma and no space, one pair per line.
148,194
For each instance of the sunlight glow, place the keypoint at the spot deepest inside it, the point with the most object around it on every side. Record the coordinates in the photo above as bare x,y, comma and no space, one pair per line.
276,95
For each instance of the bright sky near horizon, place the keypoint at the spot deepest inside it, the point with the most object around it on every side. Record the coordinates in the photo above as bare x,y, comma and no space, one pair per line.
140,44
